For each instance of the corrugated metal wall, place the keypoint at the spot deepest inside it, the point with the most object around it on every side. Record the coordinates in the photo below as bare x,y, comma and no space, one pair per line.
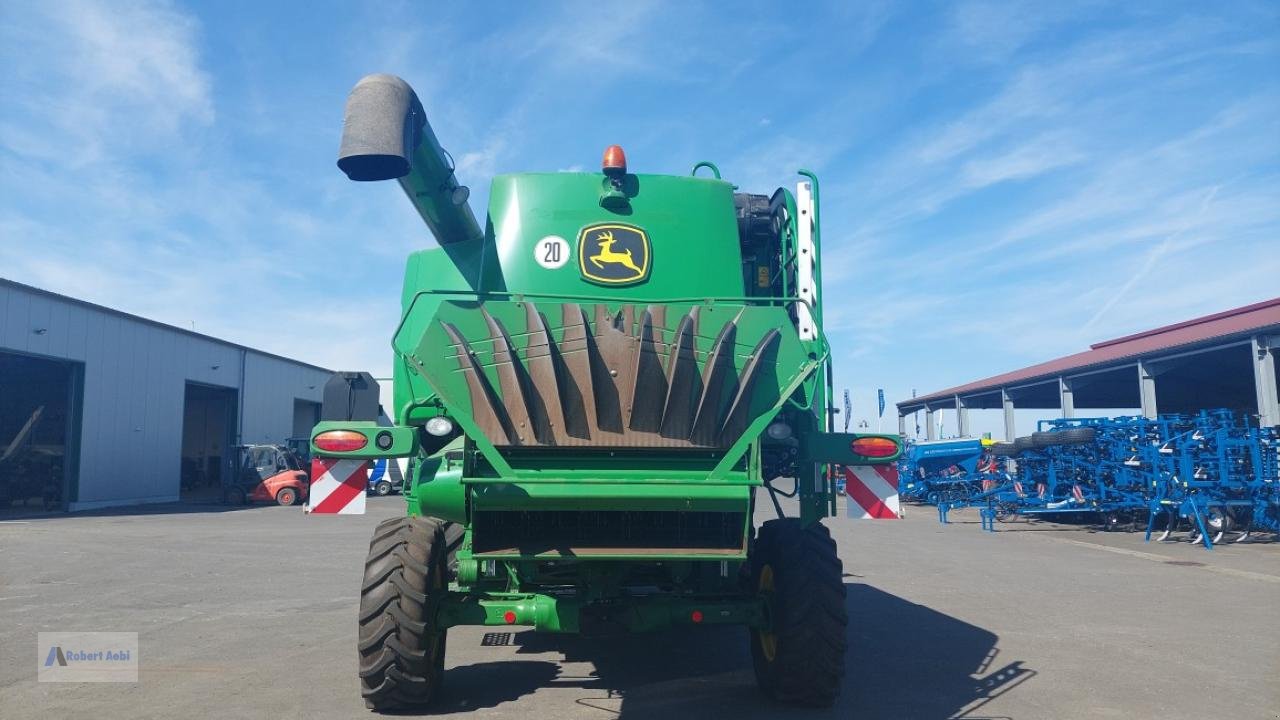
272,386
135,375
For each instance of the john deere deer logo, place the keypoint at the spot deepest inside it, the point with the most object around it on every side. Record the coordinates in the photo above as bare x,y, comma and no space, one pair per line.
613,254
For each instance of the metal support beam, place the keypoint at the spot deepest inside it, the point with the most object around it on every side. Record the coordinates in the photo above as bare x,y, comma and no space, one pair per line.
1065,398
1264,380
1010,428
902,425
931,428
1147,390
962,417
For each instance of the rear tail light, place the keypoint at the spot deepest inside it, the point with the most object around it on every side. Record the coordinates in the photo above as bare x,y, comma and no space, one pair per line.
874,447
340,440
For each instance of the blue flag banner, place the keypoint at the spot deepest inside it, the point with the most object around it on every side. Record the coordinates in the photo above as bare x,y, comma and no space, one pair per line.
881,392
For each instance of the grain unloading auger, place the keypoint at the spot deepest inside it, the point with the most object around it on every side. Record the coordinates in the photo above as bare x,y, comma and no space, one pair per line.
593,390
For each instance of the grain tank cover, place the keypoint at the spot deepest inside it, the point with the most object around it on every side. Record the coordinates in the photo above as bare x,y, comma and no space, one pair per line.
675,237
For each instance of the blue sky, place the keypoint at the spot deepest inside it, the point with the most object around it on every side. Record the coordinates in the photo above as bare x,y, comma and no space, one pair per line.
1003,183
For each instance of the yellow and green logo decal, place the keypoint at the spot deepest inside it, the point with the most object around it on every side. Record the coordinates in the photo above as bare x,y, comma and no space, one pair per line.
613,253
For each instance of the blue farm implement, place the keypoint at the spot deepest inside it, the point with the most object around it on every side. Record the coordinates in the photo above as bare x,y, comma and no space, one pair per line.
1212,475
939,472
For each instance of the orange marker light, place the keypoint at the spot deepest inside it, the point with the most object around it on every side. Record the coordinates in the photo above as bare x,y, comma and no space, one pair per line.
876,447
615,161
341,440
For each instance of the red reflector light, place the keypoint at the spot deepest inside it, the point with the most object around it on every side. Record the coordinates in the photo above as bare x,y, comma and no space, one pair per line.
876,447
614,160
341,440
696,616
509,617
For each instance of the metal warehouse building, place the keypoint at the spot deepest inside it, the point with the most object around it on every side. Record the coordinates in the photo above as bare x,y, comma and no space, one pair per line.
100,408
1224,360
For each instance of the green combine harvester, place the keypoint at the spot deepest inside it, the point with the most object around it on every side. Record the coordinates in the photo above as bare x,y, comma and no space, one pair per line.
595,388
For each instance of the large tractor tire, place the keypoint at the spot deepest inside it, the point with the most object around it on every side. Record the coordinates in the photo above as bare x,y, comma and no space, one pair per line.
1069,436
401,654
1005,449
800,659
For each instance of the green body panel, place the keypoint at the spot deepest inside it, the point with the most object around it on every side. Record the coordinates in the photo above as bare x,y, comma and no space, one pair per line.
436,483
689,221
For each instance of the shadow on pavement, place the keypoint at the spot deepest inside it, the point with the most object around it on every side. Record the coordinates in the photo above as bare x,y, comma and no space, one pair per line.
484,685
905,661
910,661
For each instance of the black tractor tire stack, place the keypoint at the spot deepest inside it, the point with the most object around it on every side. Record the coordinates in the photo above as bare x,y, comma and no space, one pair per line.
401,654
1069,436
802,659
1004,449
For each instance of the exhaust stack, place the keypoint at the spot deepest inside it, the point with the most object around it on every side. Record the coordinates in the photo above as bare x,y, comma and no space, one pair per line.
385,136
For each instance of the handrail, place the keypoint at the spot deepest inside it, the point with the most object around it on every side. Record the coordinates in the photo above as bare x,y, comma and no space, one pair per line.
704,164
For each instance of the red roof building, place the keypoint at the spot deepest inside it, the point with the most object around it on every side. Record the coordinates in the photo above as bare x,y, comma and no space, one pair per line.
1222,360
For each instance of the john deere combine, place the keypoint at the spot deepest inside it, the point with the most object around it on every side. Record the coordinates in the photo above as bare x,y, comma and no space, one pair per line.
595,389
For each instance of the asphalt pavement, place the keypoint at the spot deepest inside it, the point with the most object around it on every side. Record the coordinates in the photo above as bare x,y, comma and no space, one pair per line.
250,613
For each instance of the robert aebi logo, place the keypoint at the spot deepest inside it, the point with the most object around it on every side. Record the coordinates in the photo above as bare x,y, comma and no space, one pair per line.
63,657
87,657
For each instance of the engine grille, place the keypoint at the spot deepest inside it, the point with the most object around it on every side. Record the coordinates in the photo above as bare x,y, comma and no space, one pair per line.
569,532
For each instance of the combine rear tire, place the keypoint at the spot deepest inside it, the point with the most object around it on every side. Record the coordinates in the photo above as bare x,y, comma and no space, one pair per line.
401,654
801,658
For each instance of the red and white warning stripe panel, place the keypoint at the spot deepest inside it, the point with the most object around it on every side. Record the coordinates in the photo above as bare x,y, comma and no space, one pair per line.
338,486
872,491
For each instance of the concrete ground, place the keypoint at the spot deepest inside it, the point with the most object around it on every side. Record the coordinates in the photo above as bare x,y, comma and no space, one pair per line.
250,613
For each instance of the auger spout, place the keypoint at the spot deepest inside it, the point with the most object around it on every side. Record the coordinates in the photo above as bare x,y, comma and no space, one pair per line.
385,136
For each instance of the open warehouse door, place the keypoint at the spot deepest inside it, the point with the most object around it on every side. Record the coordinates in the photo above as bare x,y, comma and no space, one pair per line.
208,441
39,432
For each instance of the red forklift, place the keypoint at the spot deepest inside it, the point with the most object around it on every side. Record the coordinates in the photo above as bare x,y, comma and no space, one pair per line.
267,473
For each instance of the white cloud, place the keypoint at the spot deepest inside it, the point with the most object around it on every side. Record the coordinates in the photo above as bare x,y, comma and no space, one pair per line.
95,81
995,30
119,187
1020,162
